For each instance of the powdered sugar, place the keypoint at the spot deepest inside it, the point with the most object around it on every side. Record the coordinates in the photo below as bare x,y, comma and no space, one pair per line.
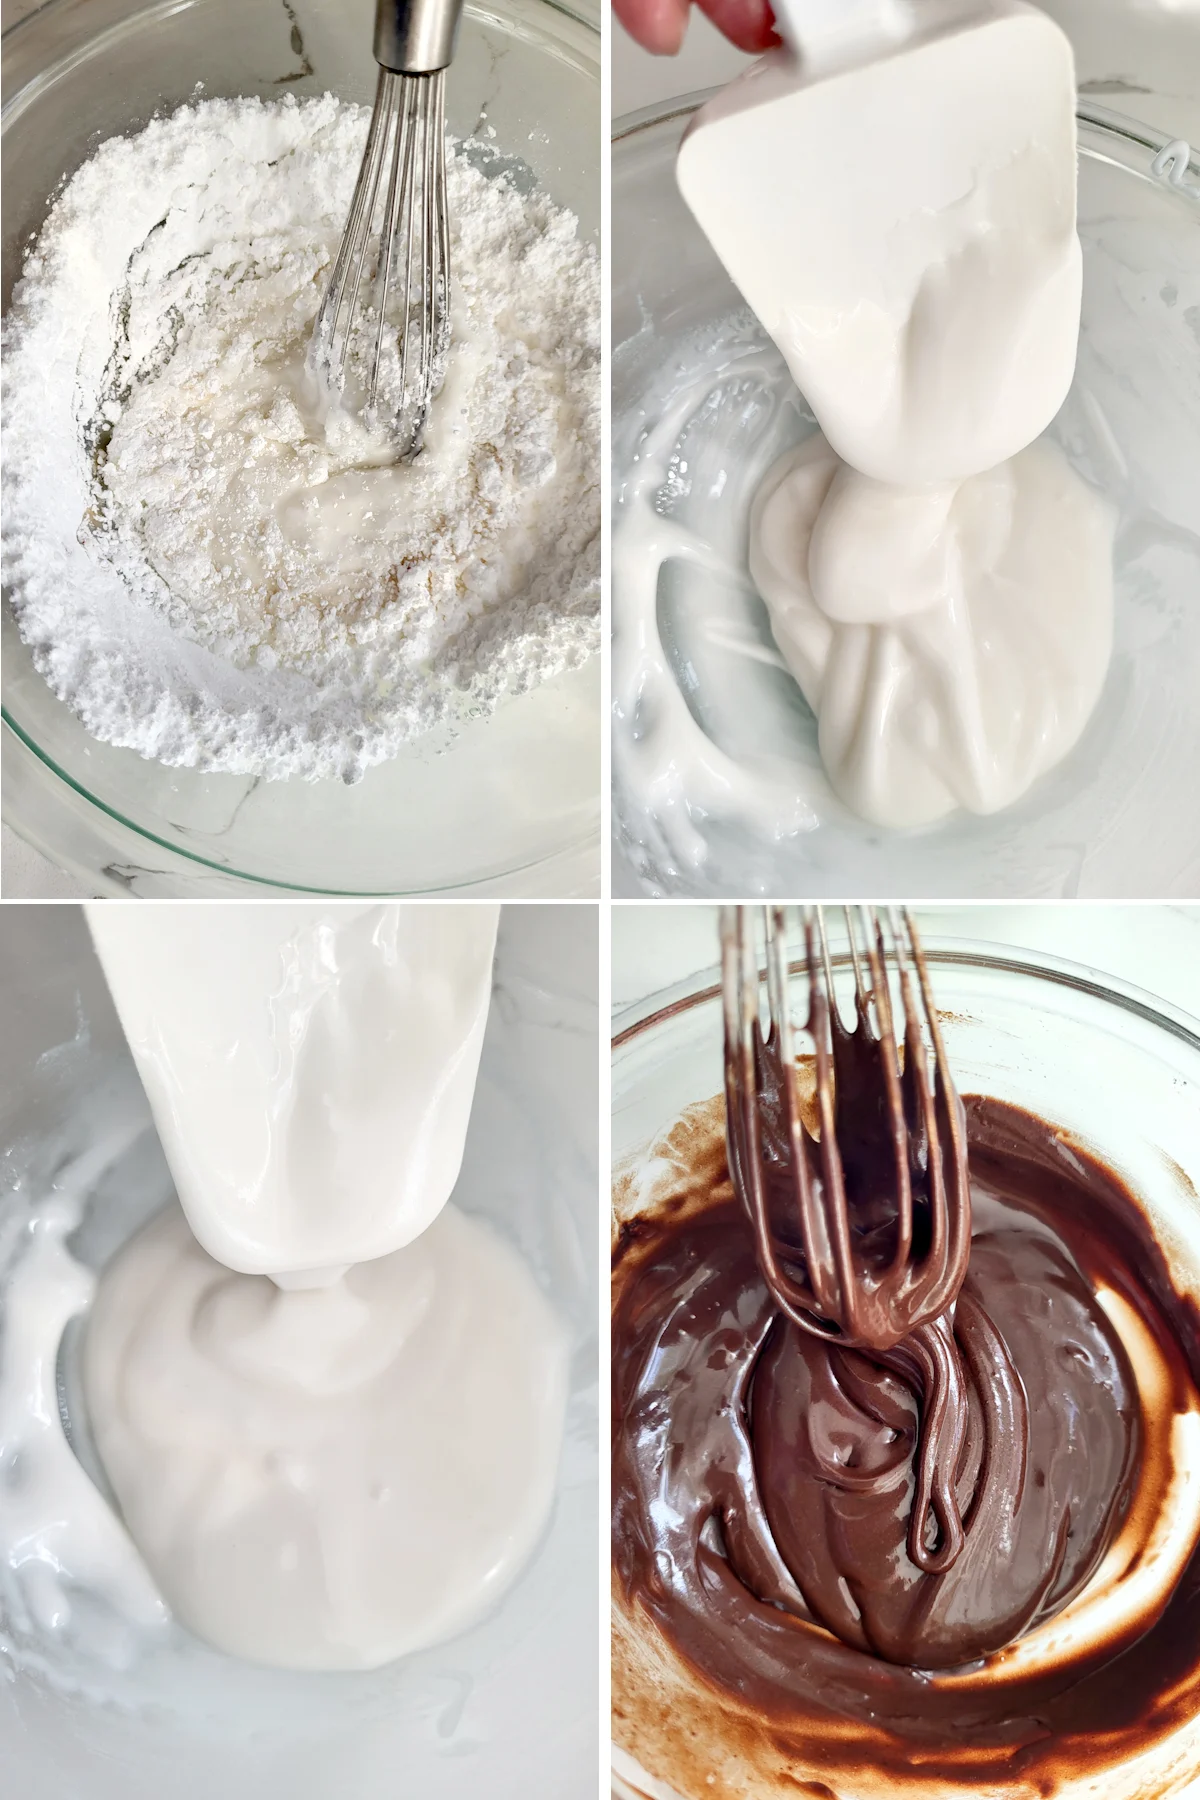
205,572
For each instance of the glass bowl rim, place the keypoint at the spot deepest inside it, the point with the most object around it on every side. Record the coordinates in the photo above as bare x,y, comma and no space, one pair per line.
1126,139
45,14
471,884
49,9
641,1016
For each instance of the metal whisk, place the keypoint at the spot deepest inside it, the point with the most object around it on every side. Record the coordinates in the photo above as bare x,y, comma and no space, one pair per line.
863,1230
383,329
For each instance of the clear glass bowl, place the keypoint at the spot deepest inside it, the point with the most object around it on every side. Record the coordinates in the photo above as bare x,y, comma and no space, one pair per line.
487,810
1118,817
505,1711
1118,1068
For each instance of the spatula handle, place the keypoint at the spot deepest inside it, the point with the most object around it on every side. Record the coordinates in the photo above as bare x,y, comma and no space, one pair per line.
813,27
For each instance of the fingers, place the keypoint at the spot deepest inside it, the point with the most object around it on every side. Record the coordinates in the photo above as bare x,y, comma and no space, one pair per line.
748,24
657,25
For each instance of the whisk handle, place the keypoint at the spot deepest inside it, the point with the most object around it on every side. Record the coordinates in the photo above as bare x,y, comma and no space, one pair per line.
416,37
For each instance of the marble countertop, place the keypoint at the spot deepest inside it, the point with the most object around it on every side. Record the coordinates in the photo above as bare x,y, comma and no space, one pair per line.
25,874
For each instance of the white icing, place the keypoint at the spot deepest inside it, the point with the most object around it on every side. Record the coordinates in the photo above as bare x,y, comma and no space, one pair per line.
61,1539
98,1693
952,643
903,223
328,1479
338,1443
310,1067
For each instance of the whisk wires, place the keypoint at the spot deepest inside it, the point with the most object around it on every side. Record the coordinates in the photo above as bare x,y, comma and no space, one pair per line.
383,329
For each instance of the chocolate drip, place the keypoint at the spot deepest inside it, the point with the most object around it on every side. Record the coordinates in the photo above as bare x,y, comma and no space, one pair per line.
928,1357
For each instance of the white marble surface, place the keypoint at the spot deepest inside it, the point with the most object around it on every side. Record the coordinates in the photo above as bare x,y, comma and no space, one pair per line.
1156,948
25,874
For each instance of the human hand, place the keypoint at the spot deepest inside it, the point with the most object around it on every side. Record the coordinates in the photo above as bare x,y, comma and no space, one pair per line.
659,25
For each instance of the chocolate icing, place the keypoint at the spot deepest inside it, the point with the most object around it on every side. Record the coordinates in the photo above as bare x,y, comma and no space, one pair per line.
882,1164
762,1481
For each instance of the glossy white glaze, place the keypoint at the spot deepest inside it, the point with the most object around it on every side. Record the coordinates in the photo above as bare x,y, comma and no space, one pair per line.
328,1478
115,1706
310,1067
952,642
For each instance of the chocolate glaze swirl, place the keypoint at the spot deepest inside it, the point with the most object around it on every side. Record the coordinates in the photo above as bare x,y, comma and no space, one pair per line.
762,1483
927,1355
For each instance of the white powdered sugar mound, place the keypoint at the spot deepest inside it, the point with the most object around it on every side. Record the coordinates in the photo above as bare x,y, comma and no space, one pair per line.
206,573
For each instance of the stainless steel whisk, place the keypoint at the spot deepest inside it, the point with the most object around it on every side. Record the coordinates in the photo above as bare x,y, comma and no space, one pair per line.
383,329
843,1258
863,1287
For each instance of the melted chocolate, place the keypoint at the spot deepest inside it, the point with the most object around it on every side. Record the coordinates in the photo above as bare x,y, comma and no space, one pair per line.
906,1277
1041,1487
763,1481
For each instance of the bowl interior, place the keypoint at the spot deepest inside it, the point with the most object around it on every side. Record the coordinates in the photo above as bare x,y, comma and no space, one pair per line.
1115,1067
81,70
1116,817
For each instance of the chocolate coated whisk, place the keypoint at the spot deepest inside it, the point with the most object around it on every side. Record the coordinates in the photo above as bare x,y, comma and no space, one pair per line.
880,1196
381,335
862,1226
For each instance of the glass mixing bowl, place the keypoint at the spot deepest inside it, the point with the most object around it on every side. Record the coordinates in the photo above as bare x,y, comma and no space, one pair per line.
508,804
1118,1068
1118,817
506,1711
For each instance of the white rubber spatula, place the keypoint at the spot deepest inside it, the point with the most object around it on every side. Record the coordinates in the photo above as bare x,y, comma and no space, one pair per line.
826,32
894,194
